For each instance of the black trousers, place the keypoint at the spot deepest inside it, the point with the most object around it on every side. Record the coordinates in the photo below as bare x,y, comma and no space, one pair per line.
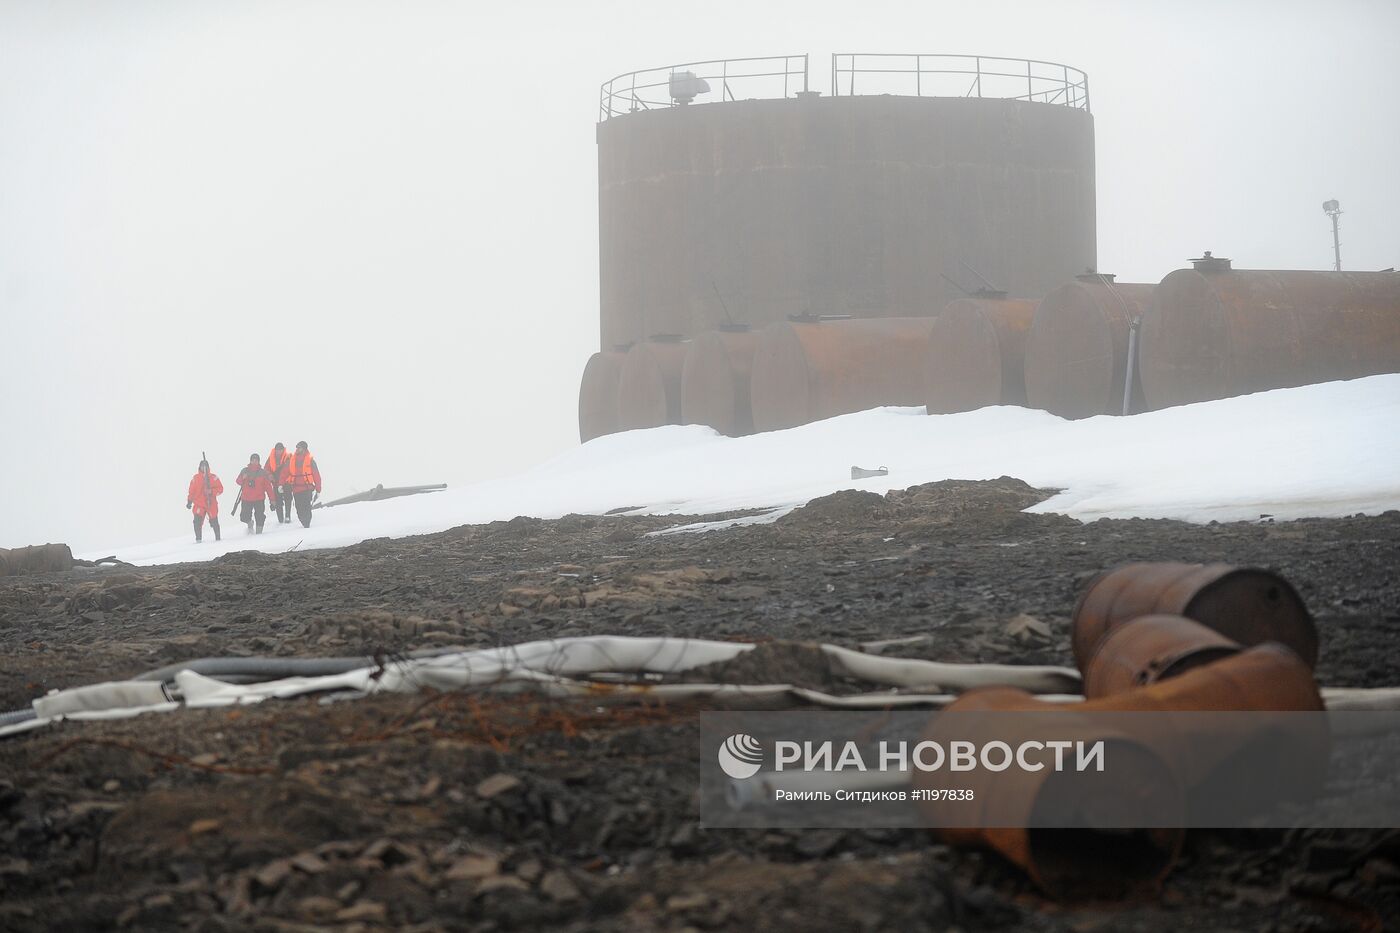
284,504
199,527
303,501
251,509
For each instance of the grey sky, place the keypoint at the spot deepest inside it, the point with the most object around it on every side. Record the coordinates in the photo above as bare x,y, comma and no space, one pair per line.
374,226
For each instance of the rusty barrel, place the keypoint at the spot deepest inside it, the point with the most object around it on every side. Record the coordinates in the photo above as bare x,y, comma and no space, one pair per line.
715,381
1151,648
1156,763
649,384
597,395
1077,348
807,371
1068,863
976,355
1217,334
1247,605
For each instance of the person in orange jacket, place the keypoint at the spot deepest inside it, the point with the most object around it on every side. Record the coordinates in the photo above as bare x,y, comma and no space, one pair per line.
254,485
203,499
301,475
277,459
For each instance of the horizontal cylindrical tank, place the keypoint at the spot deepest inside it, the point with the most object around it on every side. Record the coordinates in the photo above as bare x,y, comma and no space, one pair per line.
715,381
1214,332
1151,648
597,395
976,355
1248,605
649,384
755,210
1077,348
806,371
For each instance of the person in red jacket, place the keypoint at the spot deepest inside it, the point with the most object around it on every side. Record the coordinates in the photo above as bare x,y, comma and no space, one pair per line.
277,459
254,486
203,499
303,477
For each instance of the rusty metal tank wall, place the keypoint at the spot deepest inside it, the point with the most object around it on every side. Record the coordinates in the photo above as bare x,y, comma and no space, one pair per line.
976,355
1210,335
804,372
715,381
597,395
750,211
649,385
1077,348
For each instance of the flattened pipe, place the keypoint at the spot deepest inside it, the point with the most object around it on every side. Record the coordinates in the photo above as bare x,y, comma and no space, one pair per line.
1248,605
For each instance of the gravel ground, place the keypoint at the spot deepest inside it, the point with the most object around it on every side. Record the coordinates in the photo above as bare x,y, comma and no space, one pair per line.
472,812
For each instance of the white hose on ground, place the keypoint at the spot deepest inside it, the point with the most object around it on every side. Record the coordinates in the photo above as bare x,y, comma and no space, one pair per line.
552,666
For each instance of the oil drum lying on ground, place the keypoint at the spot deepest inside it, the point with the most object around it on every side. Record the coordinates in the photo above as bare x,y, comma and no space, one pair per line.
1151,648
597,395
715,381
1245,604
804,371
976,355
1213,332
1077,348
649,385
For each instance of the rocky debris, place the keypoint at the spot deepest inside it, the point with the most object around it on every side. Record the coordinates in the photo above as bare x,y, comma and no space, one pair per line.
368,814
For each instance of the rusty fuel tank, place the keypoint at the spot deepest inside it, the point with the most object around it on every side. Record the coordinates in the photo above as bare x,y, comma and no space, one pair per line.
1213,332
1147,649
804,371
1077,347
1245,604
715,380
649,384
597,395
976,355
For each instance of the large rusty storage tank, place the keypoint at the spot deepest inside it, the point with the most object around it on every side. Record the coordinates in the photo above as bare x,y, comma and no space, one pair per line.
804,371
715,208
1215,332
976,355
649,384
1077,348
715,381
597,395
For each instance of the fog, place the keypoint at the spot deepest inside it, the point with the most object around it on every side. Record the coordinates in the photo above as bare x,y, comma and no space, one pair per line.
373,227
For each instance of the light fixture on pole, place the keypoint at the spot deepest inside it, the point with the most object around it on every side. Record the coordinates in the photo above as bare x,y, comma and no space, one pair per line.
1333,209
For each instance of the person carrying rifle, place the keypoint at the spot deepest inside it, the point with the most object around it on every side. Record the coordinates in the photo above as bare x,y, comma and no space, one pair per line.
254,485
276,461
203,499
303,477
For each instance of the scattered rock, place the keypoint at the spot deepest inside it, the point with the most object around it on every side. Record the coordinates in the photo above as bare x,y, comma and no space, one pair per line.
496,785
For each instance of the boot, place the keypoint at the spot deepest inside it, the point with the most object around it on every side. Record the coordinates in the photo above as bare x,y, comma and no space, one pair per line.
214,523
198,530
249,525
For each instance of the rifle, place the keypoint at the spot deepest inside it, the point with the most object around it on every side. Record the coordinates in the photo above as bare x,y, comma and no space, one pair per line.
208,491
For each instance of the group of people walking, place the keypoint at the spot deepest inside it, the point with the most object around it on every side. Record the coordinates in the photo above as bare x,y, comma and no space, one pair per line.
288,480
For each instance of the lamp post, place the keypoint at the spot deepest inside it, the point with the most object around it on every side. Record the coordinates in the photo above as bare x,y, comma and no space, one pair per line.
1333,209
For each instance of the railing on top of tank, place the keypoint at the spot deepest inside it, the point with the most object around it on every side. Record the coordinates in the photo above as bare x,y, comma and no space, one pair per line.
727,79
939,75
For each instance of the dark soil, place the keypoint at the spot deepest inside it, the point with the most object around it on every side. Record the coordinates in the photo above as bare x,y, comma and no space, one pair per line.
477,812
